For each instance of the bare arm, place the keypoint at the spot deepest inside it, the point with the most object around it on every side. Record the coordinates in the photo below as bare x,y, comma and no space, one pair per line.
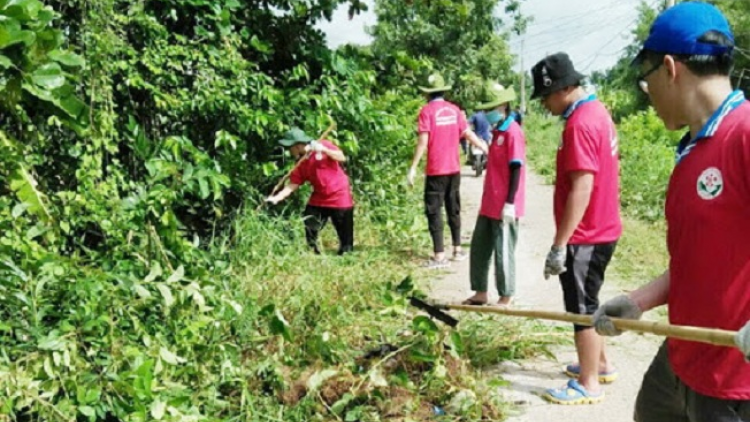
284,193
474,140
652,294
424,137
335,154
576,205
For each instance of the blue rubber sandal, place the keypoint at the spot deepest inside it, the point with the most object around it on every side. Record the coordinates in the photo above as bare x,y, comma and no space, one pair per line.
572,393
574,371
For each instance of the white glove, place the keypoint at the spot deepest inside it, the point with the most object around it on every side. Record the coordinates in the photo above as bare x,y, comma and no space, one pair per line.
742,339
314,146
555,262
620,307
411,176
273,200
509,213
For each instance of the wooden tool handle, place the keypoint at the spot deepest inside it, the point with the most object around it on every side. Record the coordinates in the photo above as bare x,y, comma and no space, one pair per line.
703,335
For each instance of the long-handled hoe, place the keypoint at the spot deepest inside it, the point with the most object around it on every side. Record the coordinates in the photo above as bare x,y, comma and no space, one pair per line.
703,335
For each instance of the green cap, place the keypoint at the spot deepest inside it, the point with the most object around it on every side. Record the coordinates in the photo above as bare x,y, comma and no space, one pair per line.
494,95
435,83
293,136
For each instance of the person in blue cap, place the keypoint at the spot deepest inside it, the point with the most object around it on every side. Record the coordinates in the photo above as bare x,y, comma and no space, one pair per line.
686,63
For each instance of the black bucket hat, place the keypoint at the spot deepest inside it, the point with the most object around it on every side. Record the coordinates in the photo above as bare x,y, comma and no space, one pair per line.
554,73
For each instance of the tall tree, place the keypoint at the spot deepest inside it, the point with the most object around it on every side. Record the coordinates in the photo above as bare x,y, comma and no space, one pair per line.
461,39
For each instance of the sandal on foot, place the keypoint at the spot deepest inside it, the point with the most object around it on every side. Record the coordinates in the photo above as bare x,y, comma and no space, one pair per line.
473,302
433,264
572,393
605,377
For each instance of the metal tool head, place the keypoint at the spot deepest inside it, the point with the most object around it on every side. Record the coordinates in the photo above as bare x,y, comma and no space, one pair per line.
435,311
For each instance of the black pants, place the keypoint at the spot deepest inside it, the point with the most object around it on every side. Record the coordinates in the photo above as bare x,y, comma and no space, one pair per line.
439,190
665,398
343,222
581,282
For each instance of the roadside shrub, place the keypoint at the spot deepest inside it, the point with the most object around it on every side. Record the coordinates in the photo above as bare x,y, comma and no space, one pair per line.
647,151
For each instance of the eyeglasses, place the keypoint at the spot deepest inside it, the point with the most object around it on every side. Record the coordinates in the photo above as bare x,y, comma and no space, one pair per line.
642,83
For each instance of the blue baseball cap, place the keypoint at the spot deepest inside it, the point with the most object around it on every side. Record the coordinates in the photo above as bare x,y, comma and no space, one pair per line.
685,29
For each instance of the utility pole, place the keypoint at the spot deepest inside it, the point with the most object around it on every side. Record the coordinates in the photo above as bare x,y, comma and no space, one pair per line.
523,82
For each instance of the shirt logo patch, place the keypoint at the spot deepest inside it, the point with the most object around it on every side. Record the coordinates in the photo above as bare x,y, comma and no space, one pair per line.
710,184
500,140
445,116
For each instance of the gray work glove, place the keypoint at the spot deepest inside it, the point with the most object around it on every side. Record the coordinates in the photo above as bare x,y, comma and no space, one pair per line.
742,339
555,262
619,307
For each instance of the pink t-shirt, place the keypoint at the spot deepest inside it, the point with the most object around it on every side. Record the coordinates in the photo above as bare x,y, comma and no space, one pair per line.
589,143
329,181
708,220
445,124
507,146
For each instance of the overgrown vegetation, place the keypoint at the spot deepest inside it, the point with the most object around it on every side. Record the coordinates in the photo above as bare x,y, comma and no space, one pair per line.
139,278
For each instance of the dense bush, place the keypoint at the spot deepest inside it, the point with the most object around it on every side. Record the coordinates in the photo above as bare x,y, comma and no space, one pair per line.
647,154
136,280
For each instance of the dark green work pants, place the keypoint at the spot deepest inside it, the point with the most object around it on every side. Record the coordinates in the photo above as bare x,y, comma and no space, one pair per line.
490,239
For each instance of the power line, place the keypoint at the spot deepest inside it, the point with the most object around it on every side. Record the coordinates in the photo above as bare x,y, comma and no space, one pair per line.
582,31
619,34
562,25
575,16
586,31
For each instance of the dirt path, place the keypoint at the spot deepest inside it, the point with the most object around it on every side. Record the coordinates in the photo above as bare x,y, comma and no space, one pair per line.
631,353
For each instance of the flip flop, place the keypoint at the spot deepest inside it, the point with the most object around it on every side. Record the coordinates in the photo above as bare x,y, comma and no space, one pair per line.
473,302
574,371
572,393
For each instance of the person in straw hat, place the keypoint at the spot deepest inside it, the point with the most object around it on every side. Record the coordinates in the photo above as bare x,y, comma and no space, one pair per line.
503,198
320,165
441,125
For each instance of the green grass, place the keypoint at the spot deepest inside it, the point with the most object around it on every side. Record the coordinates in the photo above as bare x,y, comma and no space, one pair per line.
316,313
323,313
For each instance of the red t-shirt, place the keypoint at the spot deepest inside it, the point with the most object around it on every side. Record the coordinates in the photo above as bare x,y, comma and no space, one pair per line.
329,181
589,143
708,236
507,146
445,124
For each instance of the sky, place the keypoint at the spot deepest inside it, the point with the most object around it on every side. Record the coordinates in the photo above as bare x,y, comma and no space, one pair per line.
592,32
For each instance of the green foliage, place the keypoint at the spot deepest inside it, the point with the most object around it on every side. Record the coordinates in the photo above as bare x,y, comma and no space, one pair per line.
460,39
619,85
647,151
135,284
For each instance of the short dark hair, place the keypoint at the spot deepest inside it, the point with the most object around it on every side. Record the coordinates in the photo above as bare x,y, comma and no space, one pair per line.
433,95
703,65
